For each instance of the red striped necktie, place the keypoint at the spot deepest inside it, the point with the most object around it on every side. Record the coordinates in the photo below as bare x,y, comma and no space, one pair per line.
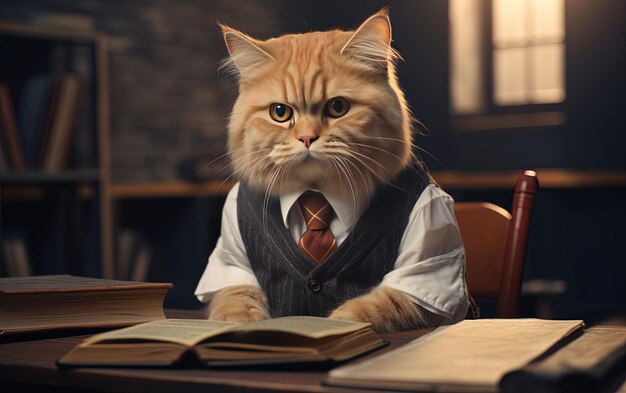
317,242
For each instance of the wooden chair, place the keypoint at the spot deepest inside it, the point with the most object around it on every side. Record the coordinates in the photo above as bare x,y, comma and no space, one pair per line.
495,245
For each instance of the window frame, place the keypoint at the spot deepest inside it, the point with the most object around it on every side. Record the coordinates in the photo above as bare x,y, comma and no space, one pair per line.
497,116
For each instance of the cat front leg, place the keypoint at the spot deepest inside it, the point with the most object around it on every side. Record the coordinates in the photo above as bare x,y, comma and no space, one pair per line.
239,303
387,309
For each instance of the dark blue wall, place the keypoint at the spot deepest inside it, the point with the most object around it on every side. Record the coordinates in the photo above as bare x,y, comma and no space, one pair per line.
576,234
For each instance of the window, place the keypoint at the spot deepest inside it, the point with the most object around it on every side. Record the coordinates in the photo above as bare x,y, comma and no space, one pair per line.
528,51
507,56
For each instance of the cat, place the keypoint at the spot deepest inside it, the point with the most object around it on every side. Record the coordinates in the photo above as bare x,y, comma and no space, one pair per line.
321,111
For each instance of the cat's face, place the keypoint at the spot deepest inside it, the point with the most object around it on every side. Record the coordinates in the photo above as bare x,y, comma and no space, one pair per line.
318,110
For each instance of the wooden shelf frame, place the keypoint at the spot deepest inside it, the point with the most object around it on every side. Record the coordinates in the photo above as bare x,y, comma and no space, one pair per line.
41,177
554,178
171,189
101,177
47,32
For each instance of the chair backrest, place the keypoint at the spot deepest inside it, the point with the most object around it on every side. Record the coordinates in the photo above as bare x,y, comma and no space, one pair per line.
495,245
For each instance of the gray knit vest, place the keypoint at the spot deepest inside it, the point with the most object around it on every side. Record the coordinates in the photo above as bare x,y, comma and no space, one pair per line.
295,285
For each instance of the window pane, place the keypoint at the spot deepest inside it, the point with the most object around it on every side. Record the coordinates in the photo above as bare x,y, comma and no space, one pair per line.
547,20
466,48
509,22
548,73
510,76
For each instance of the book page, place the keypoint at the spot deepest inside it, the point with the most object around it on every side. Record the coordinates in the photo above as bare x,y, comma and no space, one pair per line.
586,352
313,327
182,331
472,353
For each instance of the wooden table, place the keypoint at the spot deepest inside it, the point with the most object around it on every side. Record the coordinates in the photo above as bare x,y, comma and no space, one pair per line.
28,364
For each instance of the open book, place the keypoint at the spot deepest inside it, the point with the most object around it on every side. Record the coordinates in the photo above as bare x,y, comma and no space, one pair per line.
471,356
296,339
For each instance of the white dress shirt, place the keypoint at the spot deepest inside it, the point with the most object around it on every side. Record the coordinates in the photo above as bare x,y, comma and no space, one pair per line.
430,267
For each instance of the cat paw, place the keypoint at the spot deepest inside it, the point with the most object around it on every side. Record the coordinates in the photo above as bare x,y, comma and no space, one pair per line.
239,303
387,309
345,313
246,316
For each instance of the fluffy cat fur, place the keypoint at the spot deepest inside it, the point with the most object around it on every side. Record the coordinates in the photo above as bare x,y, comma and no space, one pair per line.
367,147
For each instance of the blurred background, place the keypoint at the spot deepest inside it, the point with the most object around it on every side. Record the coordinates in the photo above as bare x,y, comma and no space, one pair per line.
111,111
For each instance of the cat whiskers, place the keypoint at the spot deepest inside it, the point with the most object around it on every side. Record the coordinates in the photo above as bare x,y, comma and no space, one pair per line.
413,145
424,178
268,192
376,148
351,183
340,175
383,180
232,152
355,155
356,168
247,167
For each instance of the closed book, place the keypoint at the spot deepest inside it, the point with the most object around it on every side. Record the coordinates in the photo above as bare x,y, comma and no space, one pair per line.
293,340
53,302
9,134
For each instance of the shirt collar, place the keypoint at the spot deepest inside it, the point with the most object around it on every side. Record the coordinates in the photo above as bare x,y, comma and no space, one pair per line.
342,202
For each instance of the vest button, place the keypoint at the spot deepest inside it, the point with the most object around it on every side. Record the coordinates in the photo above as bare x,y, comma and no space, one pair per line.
314,285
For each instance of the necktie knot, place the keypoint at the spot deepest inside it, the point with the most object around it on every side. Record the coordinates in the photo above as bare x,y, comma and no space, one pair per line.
318,241
316,210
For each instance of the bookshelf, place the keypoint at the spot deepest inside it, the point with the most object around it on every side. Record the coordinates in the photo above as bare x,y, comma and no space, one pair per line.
58,201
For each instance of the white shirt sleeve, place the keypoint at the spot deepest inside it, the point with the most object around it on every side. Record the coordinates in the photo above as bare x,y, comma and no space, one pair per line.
228,264
431,262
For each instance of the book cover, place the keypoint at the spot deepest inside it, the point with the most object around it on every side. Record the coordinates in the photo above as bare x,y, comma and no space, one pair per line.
10,136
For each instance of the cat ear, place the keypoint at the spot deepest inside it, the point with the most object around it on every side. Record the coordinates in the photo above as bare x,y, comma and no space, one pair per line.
246,53
371,43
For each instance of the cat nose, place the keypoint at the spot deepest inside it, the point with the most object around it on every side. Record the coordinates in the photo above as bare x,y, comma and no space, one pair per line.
307,140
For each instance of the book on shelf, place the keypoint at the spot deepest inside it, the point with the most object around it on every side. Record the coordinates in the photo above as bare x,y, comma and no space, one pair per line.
34,102
280,341
140,268
472,355
60,124
134,255
4,165
9,133
15,255
53,302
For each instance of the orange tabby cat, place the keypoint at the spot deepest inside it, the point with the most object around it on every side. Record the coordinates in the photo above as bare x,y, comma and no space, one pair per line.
320,111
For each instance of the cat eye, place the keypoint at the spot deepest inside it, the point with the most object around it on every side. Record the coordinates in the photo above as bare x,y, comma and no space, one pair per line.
337,107
281,112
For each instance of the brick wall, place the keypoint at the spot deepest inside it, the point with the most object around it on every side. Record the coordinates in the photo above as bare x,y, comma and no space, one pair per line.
168,102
